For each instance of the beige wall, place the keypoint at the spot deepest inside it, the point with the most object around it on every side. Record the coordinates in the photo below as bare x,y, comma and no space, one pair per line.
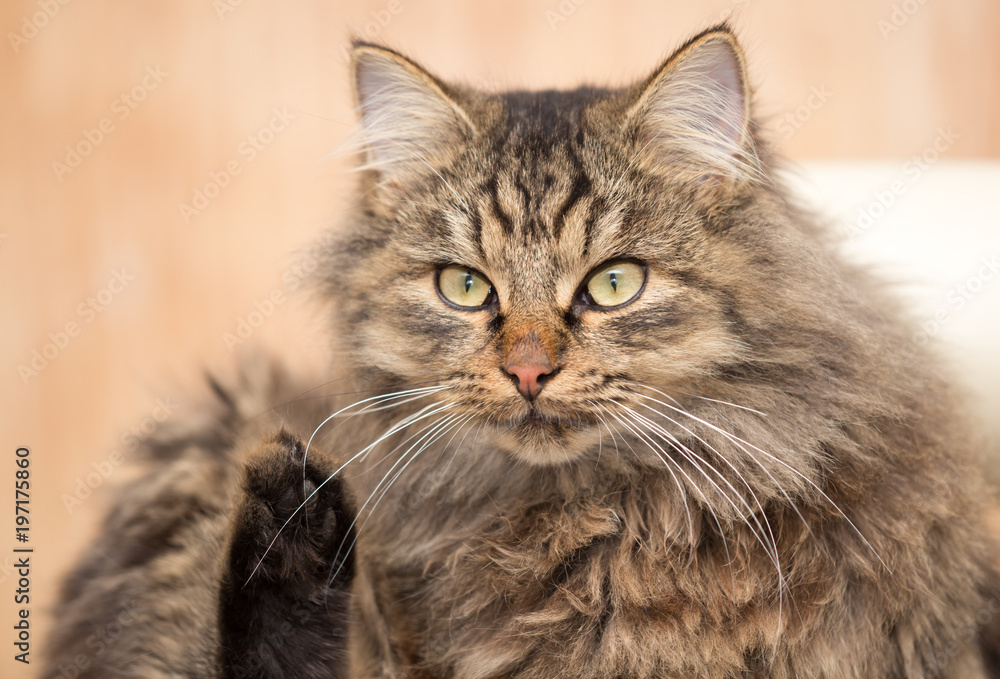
63,234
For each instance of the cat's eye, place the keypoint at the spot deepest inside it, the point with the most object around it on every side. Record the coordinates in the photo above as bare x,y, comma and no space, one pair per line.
464,287
615,284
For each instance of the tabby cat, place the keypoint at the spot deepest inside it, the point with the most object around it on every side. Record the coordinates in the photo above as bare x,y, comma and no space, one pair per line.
612,407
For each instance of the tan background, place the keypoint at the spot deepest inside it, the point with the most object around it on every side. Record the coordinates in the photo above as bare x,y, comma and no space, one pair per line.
888,88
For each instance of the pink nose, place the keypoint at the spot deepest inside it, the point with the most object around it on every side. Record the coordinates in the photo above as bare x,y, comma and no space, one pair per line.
530,378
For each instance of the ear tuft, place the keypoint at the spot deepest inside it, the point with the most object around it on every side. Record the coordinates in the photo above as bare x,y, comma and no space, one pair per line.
408,119
693,113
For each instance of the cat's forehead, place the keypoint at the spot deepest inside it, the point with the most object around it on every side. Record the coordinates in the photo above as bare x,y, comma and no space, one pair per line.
533,202
536,195
540,123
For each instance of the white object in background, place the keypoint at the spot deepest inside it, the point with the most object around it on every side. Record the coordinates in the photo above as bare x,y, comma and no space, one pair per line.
935,228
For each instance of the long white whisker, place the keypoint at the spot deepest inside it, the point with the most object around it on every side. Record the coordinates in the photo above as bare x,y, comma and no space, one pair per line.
692,456
677,482
741,443
607,426
456,423
752,458
422,391
730,465
705,398
680,448
414,435
770,549
749,488
440,429
458,447
402,424
427,433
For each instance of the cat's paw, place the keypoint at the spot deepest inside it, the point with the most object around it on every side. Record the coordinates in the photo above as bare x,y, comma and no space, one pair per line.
285,585
293,520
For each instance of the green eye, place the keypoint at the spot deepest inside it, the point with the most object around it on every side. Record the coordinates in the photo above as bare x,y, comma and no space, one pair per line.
616,283
464,287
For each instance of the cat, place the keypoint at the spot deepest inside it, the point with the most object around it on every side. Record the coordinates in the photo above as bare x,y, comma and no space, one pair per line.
610,405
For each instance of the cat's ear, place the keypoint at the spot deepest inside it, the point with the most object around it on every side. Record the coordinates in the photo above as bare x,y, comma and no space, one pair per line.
408,117
693,114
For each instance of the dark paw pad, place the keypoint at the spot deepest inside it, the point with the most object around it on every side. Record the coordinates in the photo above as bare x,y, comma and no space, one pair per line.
285,588
294,518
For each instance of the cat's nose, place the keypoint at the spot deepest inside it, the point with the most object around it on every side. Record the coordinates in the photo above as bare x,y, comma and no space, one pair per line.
528,363
530,378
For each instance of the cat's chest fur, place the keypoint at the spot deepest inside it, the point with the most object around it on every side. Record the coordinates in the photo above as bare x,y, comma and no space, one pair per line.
500,585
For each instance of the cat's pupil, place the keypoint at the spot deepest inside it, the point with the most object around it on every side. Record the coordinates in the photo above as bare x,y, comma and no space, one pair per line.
614,281
468,281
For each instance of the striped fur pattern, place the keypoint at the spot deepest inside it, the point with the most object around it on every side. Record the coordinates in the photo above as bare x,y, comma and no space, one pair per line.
744,472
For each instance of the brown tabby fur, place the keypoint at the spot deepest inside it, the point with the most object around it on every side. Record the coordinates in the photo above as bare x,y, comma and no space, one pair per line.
746,472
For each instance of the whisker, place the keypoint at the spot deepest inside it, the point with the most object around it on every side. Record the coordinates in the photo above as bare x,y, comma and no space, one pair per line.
753,458
423,391
766,540
425,434
677,482
417,434
373,402
773,551
705,398
681,449
741,443
692,456
440,429
731,466
606,426
458,447
457,422
399,426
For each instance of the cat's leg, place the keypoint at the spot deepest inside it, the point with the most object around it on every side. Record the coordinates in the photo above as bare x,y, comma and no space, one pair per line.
284,592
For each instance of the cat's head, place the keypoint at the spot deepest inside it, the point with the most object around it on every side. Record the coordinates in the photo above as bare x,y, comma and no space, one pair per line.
548,256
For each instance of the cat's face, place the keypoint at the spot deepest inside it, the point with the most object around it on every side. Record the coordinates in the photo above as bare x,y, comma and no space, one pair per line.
546,256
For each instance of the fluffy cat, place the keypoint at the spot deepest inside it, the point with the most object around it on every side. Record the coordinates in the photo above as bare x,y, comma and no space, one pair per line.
612,407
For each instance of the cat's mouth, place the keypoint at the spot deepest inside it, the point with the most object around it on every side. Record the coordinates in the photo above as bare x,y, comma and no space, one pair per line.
540,438
536,422
536,418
